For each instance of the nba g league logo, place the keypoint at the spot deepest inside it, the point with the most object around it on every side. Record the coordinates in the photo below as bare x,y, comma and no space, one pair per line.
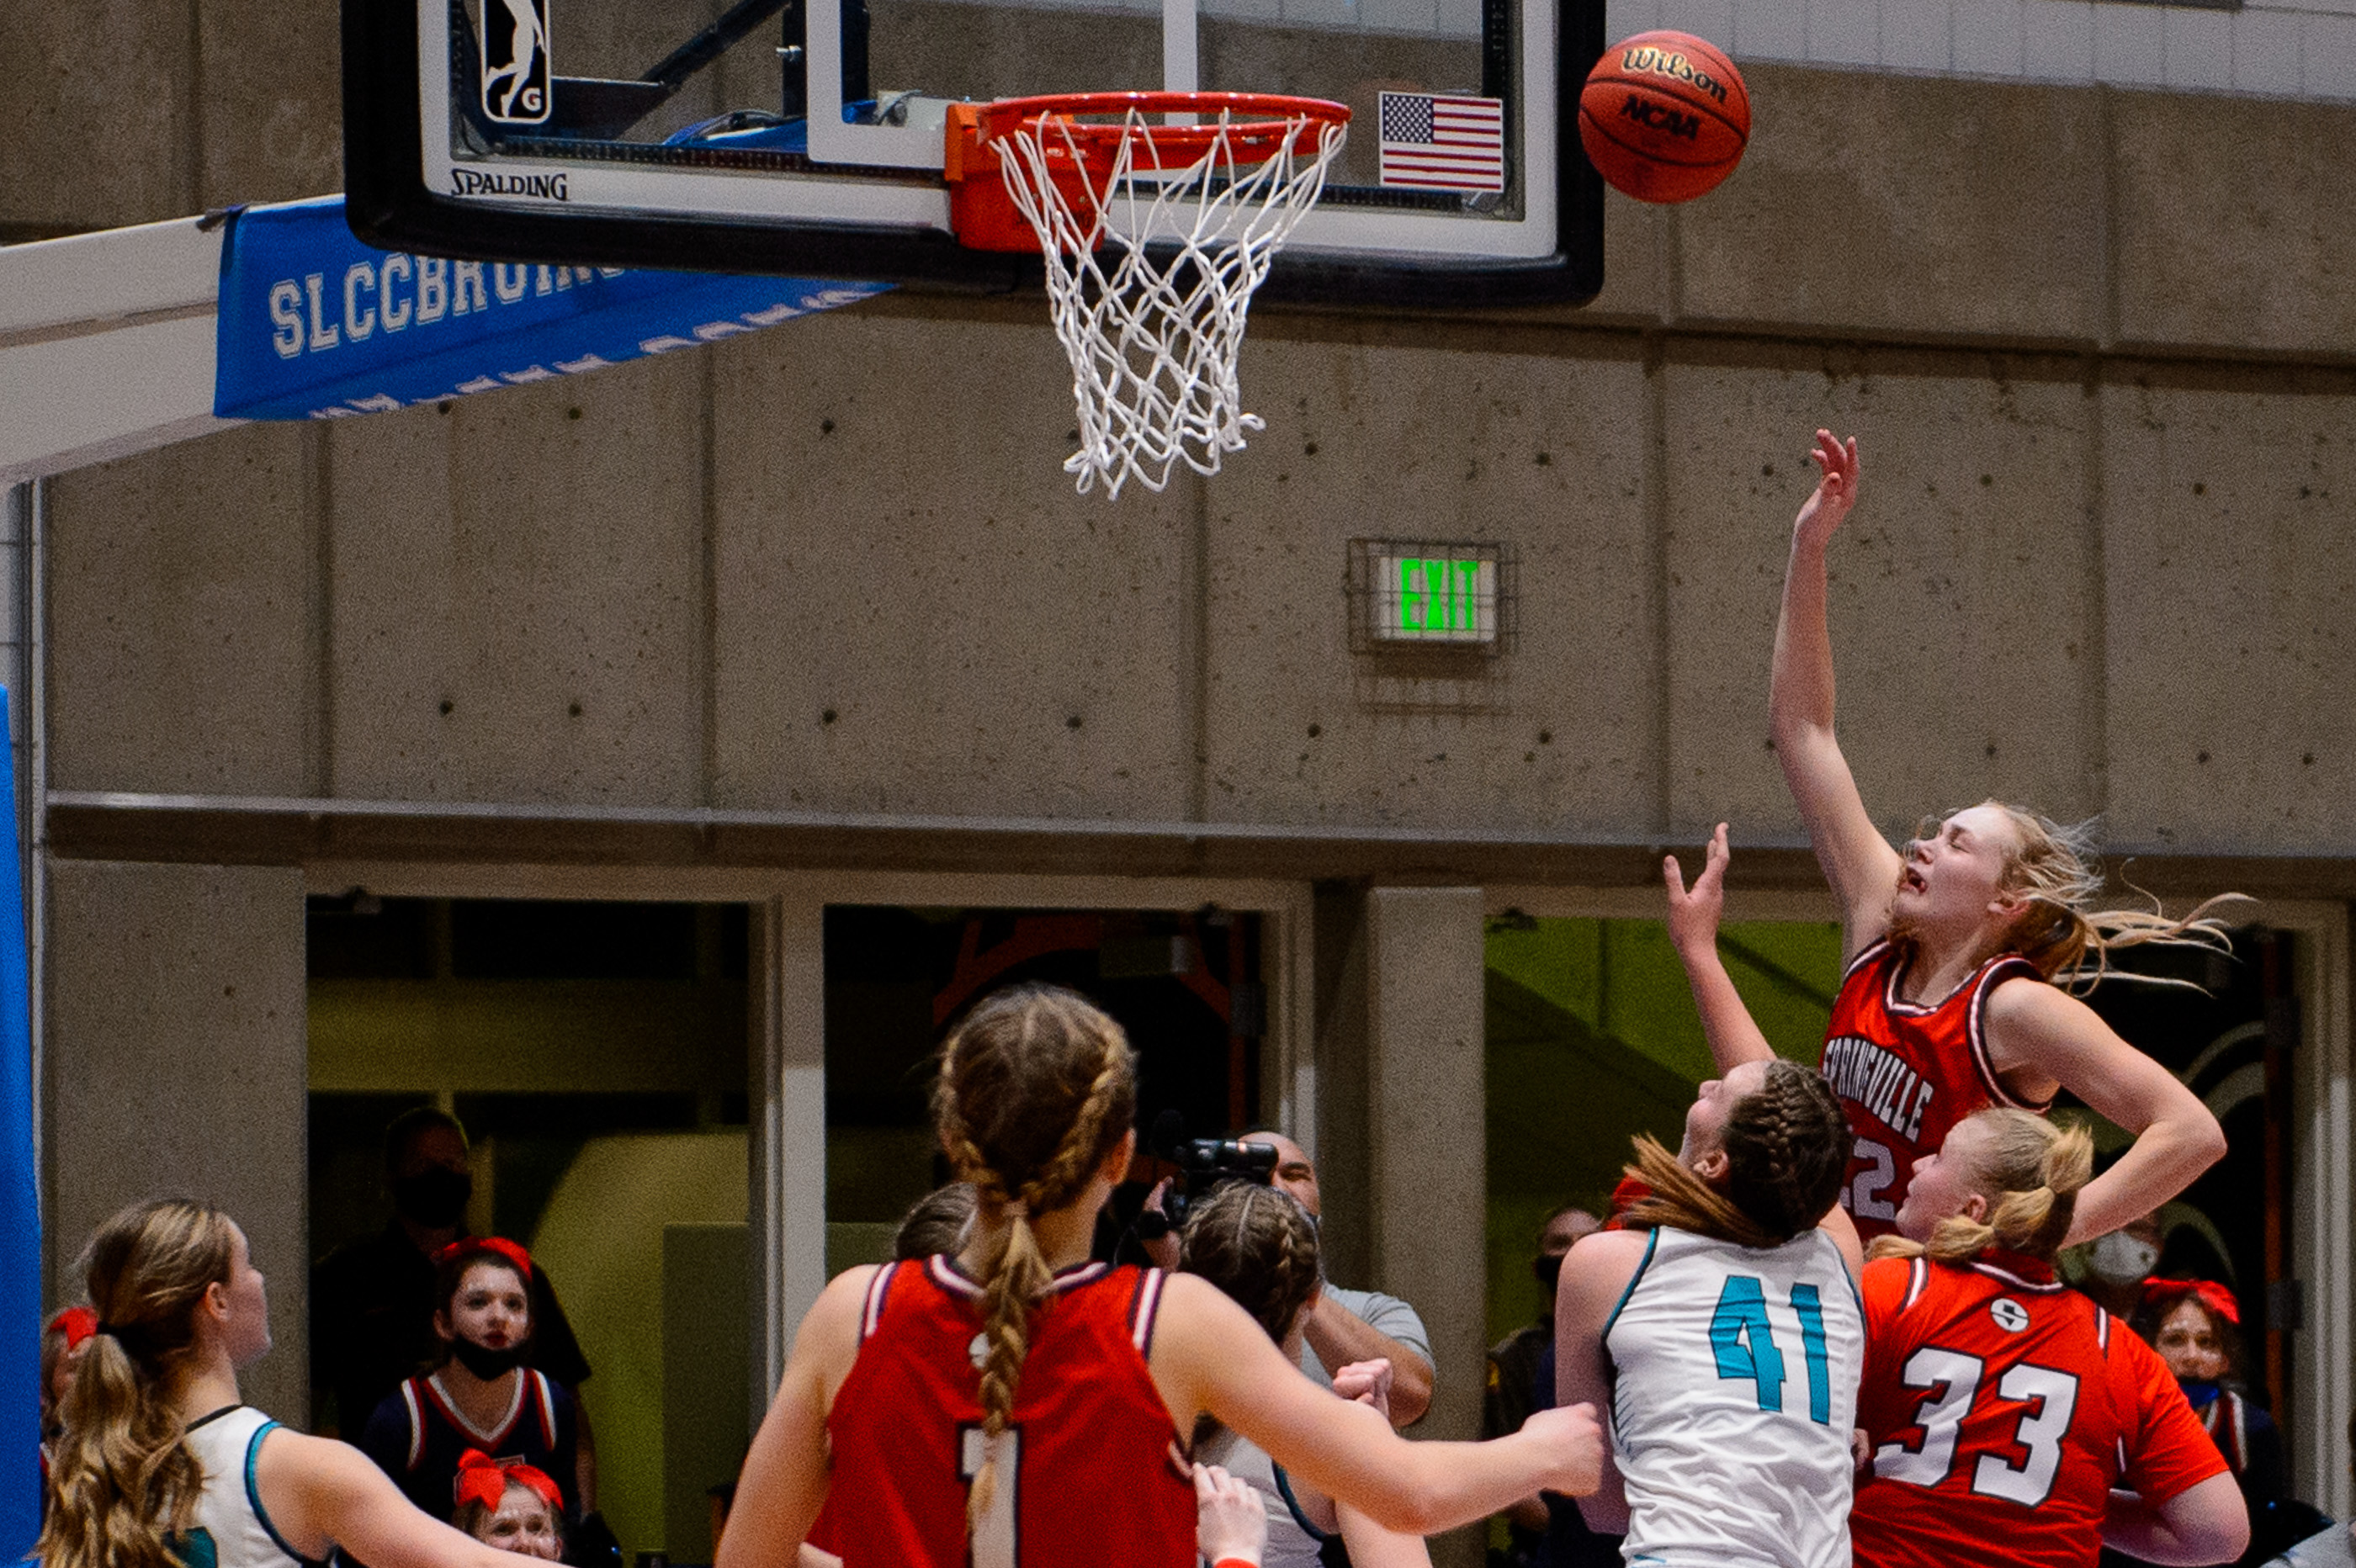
517,88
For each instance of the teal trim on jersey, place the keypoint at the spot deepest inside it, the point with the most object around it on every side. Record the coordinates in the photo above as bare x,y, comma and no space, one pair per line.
1284,1489
1642,1264
196,1548
1856,1286
1603,1339
254,1492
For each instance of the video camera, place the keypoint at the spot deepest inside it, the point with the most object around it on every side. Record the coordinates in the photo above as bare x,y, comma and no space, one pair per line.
1202,1164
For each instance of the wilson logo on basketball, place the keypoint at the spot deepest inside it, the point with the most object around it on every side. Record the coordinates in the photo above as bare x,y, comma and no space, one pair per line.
1662,118
1674,65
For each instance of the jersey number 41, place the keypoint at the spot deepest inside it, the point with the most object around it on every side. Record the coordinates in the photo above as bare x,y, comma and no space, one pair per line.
1745,1343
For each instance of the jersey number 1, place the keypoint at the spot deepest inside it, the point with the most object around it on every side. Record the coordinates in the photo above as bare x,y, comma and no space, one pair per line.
1745,1343
993,1533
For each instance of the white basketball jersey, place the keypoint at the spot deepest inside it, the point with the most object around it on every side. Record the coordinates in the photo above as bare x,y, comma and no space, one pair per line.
232,1529
1733,1396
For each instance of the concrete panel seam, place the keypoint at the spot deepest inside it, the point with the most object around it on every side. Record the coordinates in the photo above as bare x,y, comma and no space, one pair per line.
1656,579
2093,689
319,509
707,631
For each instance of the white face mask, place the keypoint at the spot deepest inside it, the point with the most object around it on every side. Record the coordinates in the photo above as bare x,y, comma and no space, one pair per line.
2121,1259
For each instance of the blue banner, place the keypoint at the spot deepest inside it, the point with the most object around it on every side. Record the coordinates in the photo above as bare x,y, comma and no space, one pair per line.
20,1210
315,324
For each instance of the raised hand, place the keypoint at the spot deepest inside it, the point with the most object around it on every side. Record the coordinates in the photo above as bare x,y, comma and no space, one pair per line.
1367,1382
1230,1521
1694,916
1575,1443
1835,492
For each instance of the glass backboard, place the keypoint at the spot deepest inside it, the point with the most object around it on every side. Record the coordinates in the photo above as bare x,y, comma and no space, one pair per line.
806,136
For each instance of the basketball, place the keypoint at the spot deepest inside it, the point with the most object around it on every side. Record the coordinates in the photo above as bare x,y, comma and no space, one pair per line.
1664,116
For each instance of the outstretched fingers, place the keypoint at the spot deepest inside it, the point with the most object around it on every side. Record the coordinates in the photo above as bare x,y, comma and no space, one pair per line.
1838,460
1713,871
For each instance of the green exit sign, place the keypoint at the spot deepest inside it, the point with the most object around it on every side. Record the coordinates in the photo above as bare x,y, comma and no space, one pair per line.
1435,598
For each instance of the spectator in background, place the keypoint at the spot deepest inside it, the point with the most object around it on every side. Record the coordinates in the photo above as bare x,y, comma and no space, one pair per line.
2195,1325
1346,1326
1514,1366
508,1505
484,1396
373,1300
2114,1266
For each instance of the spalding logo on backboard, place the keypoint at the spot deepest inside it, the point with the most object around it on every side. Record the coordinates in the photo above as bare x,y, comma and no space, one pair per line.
517,81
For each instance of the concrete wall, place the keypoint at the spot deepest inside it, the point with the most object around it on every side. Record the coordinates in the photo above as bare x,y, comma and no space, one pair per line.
176,1067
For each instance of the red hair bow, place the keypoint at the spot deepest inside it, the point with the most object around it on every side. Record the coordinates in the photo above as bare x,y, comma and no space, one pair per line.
485,1480
76,1323
2212,1295
498,1246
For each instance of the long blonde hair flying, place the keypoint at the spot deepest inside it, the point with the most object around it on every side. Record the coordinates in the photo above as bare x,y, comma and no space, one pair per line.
2069,942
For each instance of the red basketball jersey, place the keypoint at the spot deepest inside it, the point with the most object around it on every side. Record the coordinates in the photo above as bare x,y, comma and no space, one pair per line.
2001,1407
1906,1073
1087,1473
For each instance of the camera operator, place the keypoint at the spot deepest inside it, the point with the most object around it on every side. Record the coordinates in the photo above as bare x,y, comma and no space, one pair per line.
1343,1327
1347,1325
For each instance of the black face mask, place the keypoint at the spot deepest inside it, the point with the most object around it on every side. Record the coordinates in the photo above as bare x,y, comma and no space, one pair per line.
1547,1270
486,1364
433,1198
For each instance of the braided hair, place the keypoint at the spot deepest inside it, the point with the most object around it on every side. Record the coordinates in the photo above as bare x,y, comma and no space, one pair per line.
1786,1146
1037,1087
1259,1247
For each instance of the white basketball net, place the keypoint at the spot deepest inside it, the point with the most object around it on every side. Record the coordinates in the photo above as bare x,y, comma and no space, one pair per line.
1153,344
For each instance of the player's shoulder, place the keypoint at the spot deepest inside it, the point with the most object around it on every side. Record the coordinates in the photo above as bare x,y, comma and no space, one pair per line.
1892,1283
1608,1255
2017,995
1602,1271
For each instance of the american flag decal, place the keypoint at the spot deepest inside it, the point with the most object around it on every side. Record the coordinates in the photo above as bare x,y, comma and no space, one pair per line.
1435,142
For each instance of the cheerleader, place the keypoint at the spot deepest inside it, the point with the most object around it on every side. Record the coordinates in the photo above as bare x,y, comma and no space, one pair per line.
483,1396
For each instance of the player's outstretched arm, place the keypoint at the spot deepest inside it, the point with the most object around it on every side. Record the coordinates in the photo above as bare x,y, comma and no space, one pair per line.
1595,1276
321,1494
2049,1031
782,1484
2206,1523
1734,1036
1208,1354
1858,863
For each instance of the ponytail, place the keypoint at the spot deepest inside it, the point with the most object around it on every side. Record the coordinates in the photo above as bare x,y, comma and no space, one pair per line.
1036,1088
2029,1170
125,1484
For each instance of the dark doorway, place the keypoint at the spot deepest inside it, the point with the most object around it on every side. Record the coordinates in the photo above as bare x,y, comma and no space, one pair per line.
595,1055
1186,987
